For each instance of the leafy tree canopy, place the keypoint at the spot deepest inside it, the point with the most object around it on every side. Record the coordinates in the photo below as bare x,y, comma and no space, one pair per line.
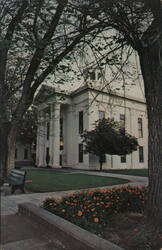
108,138
27,129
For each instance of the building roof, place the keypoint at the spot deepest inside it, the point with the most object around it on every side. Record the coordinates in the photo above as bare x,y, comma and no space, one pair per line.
47,91
86,87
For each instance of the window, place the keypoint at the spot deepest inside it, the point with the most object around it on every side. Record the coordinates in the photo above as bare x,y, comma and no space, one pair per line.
47,151
141,154
123,158
60,160
47,156
25,153
48,130
122,120
80,152
80,122
93,75
61,128
140,128
101,115
61,145
16,151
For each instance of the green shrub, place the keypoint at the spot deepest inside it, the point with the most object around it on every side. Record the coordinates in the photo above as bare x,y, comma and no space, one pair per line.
92,210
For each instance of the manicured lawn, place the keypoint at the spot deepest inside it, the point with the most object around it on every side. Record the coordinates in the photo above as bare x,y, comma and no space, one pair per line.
44,180
136,172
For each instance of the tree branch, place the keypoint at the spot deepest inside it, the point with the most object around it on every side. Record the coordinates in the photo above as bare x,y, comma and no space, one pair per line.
38,55
55,62
38,8
17,19
3,56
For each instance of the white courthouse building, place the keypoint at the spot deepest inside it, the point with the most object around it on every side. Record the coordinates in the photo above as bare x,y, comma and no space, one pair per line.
63,117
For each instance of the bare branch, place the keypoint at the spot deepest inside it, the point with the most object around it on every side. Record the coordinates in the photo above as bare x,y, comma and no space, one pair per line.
38,55
17,19
55,62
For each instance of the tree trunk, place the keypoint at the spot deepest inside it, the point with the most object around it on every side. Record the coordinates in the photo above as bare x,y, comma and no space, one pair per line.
11,142
7,148
9,136
3,149
100,160
152,73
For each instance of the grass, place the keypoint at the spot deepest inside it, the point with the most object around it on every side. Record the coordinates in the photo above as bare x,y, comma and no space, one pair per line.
136,172
46,180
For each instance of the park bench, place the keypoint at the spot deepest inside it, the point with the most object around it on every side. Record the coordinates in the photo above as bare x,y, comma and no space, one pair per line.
16,180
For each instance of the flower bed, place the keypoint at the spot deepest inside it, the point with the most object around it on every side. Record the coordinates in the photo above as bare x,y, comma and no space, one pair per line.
92,210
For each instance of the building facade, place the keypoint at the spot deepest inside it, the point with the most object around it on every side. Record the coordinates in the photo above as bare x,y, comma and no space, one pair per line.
63,118
23,155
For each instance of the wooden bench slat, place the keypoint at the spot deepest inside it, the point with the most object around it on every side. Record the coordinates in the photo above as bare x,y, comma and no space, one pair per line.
16,179
18,172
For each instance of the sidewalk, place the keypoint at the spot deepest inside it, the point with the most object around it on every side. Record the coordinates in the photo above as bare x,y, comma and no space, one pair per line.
20,233
9,204
134,180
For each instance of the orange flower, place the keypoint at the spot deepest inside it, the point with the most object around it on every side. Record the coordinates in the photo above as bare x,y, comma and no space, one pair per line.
96,219
80,213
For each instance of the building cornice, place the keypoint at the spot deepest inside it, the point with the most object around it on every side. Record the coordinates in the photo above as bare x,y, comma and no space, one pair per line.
88,88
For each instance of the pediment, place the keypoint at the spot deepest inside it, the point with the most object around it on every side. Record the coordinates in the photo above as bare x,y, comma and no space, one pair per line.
44,93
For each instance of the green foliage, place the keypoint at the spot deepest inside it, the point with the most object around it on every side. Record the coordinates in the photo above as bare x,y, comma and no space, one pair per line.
108,138
93,210
27,130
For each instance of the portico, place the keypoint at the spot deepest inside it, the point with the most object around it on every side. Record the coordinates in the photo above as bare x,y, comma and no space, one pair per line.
48,136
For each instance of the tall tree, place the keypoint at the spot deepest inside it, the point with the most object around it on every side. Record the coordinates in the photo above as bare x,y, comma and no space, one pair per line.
108,138
139,24
35,37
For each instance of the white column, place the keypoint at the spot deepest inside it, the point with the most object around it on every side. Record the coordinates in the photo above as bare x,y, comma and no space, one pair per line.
55,135
41,140
38,139
51,135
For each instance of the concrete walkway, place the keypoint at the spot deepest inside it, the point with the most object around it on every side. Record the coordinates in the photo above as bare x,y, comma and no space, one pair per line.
135,180
20,233
9,204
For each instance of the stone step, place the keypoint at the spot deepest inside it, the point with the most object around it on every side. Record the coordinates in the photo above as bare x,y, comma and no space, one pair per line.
30,244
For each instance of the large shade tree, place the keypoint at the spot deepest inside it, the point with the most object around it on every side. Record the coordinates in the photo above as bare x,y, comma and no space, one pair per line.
108,138
35,36
139,24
